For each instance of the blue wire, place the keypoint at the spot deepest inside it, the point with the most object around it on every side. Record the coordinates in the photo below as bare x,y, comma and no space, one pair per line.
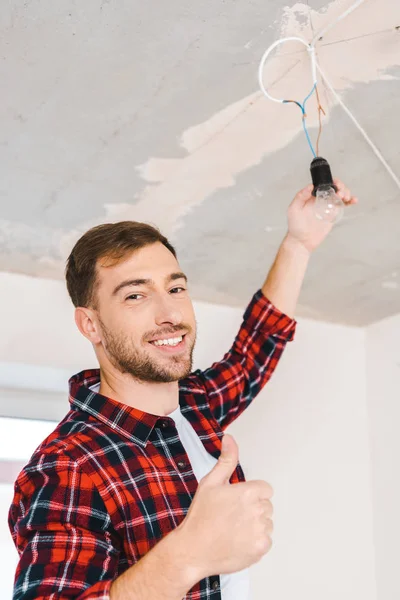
303,110
304,120
308,137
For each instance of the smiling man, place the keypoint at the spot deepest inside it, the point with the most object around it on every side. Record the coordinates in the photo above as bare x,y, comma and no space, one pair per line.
130,497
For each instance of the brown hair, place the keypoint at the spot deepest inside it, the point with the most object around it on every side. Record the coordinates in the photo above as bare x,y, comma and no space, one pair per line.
111,241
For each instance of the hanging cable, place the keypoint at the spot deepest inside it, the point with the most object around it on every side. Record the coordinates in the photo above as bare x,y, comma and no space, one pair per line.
314,67
320,110
302,105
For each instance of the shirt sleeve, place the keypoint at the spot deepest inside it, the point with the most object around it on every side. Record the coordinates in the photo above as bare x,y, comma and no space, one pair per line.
62,531
232,383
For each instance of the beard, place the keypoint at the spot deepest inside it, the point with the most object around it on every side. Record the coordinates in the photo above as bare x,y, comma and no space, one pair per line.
125,356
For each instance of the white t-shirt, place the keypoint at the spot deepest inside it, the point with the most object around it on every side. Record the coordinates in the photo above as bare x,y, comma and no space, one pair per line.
235,586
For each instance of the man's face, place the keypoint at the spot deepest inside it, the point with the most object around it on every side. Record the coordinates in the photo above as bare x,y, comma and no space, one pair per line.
147,322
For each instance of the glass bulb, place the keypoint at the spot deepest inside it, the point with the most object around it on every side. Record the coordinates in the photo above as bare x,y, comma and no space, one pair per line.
328,206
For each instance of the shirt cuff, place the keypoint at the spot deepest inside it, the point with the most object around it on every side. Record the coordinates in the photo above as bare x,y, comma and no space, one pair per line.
262,315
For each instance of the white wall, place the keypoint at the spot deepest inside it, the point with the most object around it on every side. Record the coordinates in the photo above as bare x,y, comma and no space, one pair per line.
383,384
307,434
37,324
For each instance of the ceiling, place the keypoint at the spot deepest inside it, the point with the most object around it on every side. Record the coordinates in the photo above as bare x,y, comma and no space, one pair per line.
116,110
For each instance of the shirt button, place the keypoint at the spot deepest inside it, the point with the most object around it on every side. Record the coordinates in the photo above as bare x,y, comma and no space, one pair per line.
181,464
164,424
215,584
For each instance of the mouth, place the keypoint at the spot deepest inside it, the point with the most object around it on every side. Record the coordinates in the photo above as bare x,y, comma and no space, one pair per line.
170,345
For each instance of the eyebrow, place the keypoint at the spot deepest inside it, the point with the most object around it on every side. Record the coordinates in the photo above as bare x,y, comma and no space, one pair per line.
149,282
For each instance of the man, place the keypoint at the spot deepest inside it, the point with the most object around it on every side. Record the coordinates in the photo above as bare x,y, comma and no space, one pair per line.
129,497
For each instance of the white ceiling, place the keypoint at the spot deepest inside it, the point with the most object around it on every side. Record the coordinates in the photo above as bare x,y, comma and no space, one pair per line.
151,111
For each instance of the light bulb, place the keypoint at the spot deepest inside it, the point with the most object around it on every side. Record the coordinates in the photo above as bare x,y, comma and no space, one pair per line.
328,206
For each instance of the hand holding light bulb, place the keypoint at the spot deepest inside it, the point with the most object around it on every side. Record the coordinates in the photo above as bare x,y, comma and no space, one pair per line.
329,206
305,225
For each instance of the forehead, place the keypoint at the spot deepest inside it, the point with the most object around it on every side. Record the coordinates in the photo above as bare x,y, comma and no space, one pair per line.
151,262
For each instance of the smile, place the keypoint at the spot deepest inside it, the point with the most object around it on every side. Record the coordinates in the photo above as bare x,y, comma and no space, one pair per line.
168,342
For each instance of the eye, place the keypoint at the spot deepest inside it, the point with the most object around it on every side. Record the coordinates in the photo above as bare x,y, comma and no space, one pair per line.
177,290
134,297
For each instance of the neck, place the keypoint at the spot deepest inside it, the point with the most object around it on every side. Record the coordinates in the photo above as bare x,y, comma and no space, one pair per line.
150,397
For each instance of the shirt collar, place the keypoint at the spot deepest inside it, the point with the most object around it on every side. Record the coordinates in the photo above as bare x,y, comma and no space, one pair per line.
126,420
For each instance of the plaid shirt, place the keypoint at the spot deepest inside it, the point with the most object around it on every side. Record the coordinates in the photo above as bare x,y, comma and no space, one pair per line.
111,480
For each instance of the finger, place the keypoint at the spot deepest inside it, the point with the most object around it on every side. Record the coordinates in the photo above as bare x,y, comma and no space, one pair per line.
341,189
269,527
261,489
303,195
346,196
266,543
349,201
305,192
338,183
226,464
343,192
267,507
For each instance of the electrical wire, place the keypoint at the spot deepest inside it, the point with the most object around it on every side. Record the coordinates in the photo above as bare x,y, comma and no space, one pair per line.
304,116
314,68
320,110
318,36
304,120
268,52
302,105
377,152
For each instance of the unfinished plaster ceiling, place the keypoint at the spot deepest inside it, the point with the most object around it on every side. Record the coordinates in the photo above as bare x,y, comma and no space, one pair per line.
151,111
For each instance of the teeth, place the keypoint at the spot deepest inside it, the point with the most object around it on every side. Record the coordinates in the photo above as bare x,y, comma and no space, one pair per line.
169,342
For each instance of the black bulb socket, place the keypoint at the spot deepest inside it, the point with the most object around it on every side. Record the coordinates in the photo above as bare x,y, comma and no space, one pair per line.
321,174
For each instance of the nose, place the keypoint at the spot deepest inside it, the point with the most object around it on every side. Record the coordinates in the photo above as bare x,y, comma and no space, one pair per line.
167,311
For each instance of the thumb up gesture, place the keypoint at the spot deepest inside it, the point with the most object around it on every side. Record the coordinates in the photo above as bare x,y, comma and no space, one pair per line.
228,527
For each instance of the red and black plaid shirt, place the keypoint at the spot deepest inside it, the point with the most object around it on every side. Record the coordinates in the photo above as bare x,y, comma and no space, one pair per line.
111,480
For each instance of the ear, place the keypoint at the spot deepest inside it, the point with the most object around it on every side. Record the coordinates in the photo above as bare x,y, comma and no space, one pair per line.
87,324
